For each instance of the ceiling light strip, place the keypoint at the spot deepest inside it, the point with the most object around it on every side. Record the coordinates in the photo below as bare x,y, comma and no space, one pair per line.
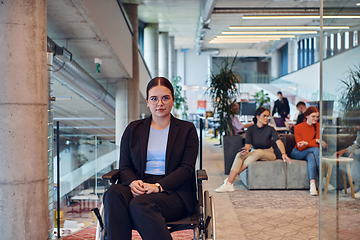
78,118
269,32
256,36
248,17
287,27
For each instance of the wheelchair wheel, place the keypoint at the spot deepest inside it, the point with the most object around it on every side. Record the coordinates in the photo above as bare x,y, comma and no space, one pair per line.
209,216
196,233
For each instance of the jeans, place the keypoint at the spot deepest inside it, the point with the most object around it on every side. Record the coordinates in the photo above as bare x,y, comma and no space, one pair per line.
311,155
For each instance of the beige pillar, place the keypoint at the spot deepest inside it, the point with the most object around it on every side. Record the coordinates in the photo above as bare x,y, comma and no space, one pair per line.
151,48
164,54
292,56
336,50
172,58
23,120
342,39
351,39
133,83
121,119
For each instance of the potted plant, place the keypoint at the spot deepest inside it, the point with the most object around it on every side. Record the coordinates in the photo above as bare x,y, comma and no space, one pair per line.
180,101
261,98
224,90
351,92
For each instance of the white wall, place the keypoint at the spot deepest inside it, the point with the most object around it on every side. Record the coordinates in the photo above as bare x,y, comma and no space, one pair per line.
334,70
193,70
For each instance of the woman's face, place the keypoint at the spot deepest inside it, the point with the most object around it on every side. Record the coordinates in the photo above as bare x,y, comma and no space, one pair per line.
263,118
160,101
312,118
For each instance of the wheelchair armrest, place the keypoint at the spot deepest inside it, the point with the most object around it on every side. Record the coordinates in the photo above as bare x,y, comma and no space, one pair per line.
201,175
113,176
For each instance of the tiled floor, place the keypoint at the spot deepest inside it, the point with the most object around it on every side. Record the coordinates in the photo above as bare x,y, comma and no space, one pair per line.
258,214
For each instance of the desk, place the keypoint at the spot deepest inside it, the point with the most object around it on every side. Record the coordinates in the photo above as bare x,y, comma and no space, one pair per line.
330,161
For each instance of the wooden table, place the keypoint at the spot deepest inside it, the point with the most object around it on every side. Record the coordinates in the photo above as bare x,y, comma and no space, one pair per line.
330,161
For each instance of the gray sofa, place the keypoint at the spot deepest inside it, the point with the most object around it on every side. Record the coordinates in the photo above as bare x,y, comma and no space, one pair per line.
277,174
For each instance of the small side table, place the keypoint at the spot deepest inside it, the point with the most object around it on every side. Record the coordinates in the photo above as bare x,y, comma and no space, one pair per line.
330,161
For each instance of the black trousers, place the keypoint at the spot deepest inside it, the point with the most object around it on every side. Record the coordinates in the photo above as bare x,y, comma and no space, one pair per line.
146,213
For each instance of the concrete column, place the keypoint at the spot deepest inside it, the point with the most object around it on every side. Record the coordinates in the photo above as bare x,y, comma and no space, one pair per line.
121,119
351,39
151,48
328,46
133,83
292,56
335,43
172,58
164,54
275,64
23,120
342,39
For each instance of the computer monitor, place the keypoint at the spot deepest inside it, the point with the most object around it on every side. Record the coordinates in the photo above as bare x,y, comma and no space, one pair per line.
327,107
248,108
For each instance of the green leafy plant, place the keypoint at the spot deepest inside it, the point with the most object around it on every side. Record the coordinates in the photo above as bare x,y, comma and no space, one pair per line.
223,89
350,98
180,101
261,98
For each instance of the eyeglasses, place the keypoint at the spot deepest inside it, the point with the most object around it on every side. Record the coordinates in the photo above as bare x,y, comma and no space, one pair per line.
155,100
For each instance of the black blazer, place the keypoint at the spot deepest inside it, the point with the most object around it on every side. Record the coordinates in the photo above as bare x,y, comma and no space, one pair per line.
282,108
181,153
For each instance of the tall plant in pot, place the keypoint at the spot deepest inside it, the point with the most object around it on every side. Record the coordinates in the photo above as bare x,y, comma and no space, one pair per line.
223,90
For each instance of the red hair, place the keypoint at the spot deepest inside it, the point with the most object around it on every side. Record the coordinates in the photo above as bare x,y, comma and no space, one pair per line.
309,111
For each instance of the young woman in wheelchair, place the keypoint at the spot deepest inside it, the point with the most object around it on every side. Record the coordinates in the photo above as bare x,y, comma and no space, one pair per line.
157,164
258,136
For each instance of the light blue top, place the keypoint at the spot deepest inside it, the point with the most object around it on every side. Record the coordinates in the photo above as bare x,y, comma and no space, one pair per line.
156,151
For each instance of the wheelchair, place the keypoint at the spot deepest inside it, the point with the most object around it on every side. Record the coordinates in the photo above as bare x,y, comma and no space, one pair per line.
202,220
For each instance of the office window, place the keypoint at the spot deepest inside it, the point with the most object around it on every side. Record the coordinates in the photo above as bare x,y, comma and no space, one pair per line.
339,41
332,44
346,40
355,39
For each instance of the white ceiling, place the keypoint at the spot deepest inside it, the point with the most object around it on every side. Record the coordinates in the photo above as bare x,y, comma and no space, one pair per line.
68,26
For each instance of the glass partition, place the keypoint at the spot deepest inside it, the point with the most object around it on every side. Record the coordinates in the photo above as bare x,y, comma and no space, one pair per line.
340,124
83,159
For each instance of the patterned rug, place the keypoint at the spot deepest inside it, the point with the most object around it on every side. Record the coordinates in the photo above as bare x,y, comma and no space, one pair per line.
90,232
294,215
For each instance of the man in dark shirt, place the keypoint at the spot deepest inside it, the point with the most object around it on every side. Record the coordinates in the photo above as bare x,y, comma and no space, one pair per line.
281,106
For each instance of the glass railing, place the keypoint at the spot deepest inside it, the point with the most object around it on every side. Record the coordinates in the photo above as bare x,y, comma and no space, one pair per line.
83,159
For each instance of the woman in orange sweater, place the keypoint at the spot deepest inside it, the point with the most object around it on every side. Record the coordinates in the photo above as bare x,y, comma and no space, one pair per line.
307,139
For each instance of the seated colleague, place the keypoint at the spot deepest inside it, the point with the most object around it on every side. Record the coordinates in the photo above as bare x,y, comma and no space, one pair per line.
307,137
157,164
301,107
281,106
236,124
259,136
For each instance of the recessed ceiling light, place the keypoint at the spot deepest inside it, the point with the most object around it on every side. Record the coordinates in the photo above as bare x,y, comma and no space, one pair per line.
358,4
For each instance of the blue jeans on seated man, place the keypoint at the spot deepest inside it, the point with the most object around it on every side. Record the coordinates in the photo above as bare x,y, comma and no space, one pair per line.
311,155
